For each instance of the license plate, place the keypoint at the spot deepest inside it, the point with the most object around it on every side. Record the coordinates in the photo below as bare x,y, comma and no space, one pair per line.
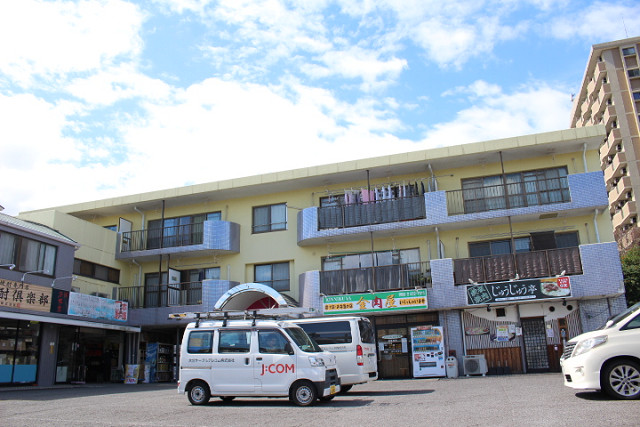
332,389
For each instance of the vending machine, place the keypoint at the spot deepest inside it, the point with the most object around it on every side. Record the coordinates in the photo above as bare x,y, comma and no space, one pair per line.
428,356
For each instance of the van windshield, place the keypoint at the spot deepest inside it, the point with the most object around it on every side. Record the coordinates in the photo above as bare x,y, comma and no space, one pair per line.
302,340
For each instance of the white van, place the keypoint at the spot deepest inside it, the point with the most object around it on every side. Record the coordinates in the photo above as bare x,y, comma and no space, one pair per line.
608,358
352,339
271,358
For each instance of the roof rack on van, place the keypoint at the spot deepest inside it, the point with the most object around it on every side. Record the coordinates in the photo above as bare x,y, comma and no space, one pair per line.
264,313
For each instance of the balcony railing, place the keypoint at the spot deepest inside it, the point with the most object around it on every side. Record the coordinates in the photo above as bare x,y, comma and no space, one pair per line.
527,265
509,195
168,237
368,213
379,278
188,293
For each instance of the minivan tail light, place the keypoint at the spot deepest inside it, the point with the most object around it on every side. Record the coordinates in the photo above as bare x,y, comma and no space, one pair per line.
359,355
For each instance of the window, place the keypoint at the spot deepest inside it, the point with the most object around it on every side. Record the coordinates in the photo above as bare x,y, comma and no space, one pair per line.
200,342
111,227
269,218
274,275
534,242
27,254
515,190
636,96
200,274
272,342
380,258
178,231
626,51
634,73
234,341
329,332
95,271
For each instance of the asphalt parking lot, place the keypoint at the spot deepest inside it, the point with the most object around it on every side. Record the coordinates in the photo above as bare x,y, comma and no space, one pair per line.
512,400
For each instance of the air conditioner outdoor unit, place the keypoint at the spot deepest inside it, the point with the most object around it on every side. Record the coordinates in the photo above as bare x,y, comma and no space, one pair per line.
475,365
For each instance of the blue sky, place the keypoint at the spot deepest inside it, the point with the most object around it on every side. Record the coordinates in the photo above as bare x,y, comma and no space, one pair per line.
103,98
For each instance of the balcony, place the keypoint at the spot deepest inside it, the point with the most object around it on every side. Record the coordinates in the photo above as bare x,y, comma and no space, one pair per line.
508,196
376,279
620,191
614,169
200,239
610,145
178,294
577,194
369,213
609,116
527,265
625,215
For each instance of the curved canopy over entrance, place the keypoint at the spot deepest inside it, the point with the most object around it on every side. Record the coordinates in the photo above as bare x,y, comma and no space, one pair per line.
253,296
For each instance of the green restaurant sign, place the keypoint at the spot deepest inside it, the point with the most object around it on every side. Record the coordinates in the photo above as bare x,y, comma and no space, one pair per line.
375,302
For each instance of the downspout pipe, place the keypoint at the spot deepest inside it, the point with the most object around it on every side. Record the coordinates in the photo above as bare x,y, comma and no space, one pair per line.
438,251
584,157
135,208
595,225
433,178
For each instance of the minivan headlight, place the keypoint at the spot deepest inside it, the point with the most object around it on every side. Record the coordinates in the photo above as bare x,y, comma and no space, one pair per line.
316,361
588,344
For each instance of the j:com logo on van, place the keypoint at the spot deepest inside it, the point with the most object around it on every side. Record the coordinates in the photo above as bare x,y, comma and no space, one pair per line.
278,368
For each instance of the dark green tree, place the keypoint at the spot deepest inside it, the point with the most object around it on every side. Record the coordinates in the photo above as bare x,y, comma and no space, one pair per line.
631,271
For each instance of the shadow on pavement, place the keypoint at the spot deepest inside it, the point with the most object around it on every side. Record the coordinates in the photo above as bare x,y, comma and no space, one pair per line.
71,391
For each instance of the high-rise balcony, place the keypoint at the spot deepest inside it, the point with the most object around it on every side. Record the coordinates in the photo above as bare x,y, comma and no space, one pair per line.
609,115
199,239
625,215
619,192
615,168
610,145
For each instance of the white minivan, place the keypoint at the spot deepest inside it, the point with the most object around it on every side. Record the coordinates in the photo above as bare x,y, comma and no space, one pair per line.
271,358
608,358
352,339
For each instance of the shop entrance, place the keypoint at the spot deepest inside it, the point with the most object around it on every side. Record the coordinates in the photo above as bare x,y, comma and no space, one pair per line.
87,355
394,343
535,344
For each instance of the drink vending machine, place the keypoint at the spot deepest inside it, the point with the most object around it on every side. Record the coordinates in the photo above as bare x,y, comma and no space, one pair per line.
428,357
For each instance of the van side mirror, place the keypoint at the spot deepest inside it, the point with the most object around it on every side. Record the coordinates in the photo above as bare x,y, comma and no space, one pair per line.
289,349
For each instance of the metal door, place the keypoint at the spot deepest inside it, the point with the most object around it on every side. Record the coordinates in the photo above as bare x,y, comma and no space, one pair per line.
535,344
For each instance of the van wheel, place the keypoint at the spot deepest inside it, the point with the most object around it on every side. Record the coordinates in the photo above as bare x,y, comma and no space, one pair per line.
621,379
199,393
303,393
345,388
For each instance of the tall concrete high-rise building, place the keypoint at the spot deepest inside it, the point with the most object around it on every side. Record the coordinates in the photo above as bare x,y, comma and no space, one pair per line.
610,95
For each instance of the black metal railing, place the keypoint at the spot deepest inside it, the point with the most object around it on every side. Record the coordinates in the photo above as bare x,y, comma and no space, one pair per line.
377,279
168,237
527,265
152,296
508,195
368,213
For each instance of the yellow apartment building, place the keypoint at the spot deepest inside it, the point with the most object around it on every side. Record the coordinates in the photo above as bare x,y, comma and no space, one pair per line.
507,245
610,95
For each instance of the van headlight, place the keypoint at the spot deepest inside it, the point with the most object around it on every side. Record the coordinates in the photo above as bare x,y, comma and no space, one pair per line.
588,344
316,361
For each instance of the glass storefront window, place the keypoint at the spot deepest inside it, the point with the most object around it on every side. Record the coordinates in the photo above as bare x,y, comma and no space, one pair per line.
19,348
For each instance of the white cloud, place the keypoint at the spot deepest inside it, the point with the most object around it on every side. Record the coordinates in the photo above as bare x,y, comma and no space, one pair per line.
113,84
534,108
48,38
599,22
